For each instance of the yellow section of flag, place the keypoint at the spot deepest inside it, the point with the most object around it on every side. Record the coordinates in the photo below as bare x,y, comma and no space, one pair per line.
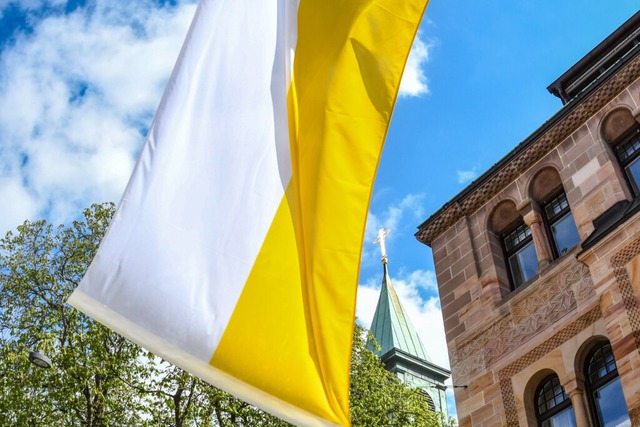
235,251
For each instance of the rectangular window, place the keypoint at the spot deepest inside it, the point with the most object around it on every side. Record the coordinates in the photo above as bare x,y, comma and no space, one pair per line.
561,225
520,254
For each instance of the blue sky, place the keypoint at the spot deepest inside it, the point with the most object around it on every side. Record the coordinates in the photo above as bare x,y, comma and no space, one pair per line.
80,81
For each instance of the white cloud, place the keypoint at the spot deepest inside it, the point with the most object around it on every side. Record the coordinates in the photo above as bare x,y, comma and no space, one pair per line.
19,203
75,96
30,4
414,80
465,177
425,314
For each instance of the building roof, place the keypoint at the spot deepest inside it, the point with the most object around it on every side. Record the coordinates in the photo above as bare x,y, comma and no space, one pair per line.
598,61
391,327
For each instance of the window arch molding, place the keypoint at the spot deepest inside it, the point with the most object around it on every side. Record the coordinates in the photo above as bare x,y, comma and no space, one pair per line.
616,123
549,200
543,183
502,216
583,353
529,393
620,132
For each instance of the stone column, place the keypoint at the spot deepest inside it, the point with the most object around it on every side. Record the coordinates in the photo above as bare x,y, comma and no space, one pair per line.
579,407
534,220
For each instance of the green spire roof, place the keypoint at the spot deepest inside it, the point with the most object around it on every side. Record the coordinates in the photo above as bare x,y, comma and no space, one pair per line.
391,327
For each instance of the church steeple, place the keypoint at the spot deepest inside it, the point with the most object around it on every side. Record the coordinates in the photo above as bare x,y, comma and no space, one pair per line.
391,326
401,349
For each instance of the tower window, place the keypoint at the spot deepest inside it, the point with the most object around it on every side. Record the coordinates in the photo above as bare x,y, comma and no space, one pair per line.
561,224
428,400
520,254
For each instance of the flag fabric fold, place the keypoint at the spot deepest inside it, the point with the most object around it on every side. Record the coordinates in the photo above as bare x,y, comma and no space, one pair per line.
234,252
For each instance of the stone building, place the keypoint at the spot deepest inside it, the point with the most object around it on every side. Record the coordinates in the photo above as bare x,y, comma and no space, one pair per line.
538,260
400,347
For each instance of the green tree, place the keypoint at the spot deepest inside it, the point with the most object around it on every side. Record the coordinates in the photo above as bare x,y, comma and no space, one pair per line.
39,266
185,400
378,397
99,379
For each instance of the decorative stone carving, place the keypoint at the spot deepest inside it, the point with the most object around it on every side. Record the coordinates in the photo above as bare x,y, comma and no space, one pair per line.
619,264
534,311
505,374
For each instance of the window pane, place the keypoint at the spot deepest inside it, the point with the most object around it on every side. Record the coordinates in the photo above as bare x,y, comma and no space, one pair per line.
517,236
563,419
628,149
601,363
556,206
565,234
523,264
611,405
633,172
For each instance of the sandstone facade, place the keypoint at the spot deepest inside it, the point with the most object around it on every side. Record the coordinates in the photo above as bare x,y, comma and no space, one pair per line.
506,338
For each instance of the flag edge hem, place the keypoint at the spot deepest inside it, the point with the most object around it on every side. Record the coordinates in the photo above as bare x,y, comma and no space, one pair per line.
200,368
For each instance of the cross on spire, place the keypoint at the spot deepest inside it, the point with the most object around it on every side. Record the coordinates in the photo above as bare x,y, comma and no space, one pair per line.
382,235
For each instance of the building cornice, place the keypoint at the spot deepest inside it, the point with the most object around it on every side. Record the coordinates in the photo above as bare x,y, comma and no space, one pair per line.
560,126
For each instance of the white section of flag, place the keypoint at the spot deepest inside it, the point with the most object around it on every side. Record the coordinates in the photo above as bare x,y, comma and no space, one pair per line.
219,139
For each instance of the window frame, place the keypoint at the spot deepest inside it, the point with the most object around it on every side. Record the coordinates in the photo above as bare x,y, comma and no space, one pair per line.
628,139
558,408
515,248
593,386
555,218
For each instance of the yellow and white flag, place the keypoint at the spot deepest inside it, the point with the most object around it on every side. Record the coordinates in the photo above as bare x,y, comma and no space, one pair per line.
235,250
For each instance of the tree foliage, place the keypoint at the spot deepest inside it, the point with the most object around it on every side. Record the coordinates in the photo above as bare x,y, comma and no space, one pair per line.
379,398
99,379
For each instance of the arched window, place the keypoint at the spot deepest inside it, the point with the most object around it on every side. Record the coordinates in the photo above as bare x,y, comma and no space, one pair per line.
547,190
628,152
608,406
520,258
553,406
621,131
428,400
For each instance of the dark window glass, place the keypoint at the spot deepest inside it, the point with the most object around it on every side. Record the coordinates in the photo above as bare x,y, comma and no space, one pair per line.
519,235
633,172
561,224
628,152
553,406
607,399
523,264
521,254
601,364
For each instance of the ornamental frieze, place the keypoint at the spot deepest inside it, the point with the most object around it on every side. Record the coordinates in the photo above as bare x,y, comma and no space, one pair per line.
532,312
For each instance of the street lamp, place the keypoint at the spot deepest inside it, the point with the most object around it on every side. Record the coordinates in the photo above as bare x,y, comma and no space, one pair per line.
446,386
39,359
